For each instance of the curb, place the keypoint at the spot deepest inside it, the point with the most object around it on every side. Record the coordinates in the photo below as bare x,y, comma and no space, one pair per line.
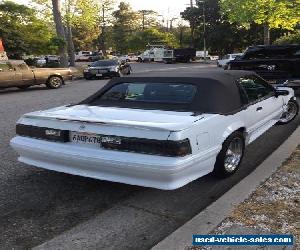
213,215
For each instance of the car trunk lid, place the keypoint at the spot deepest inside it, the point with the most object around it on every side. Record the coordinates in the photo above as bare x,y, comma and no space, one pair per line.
151,119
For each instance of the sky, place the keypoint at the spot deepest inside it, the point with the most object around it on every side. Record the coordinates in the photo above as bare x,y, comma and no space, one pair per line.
168,8
163,7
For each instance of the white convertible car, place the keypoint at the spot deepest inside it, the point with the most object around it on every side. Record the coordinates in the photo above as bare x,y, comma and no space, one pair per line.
160,132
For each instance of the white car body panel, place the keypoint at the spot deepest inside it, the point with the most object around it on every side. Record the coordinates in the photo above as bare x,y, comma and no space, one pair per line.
222,62
206,133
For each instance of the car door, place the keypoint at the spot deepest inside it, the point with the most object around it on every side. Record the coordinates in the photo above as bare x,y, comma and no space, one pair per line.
25,74
7,75
263,109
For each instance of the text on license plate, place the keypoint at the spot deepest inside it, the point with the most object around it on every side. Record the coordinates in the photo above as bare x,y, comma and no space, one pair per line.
85,138
98,74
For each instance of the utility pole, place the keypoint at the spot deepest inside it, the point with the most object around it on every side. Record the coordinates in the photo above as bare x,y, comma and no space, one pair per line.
171,22
191,2
204,28
204,32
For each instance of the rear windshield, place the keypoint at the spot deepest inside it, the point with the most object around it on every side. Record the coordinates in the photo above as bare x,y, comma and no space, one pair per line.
104,63
165,93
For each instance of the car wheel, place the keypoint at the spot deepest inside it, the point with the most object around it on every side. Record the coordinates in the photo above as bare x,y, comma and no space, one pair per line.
290,114
54,82
230,157
23,87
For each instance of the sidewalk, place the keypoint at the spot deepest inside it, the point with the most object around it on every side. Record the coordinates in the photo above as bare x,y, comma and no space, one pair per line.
274,208
265,202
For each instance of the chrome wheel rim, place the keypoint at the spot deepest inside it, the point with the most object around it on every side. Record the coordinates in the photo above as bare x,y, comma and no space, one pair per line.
234,154
55,82
290,113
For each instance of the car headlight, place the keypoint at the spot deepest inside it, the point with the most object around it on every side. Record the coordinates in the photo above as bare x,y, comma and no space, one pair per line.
85,70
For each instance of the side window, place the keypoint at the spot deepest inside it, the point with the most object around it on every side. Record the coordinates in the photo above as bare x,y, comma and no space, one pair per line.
255,88
22,66
5,67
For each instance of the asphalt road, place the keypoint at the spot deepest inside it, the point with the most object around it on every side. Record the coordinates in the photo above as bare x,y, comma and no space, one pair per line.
37,205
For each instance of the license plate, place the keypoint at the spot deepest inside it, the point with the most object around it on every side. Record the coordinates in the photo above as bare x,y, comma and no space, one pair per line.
98,74
85,138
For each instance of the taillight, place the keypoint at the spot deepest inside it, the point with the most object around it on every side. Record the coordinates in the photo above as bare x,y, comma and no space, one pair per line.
147,146
42,133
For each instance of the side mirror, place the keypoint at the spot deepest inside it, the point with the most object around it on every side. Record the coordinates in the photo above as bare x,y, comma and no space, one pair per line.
89,65
279,92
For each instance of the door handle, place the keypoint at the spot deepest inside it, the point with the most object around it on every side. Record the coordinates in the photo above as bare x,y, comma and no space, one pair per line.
259,108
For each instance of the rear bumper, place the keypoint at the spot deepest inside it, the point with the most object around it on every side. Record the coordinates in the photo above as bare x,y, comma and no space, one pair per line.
130,168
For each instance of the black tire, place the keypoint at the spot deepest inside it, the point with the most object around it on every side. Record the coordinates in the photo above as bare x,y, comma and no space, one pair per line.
292,105
54,82
24,87
86,77
220,168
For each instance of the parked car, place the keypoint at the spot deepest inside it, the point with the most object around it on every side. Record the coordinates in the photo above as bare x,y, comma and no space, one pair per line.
52,58
40,61
95,56
133,58
160,132
106,68
16,73
83,56
275,63
227,58
184,54
124,58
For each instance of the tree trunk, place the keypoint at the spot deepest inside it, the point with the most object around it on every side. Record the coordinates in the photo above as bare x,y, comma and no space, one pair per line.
192,35
266,34
62,49
71,49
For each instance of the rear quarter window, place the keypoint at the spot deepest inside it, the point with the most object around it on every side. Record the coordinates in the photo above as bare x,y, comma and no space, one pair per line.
5,67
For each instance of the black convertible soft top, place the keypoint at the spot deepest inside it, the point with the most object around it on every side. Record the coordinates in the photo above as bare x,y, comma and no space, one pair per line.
217,91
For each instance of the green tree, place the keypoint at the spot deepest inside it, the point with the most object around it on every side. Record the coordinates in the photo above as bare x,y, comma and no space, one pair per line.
81,20
141,39
105,21
84,21
194,17
149,18
272,14
125,24
23,32
292,38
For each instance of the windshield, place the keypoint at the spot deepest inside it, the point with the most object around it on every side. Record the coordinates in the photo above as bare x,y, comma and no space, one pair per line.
166,93
105,63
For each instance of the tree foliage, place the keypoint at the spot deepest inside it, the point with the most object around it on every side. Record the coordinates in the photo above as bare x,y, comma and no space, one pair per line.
275,13
141,39
23,32
292,38
125,24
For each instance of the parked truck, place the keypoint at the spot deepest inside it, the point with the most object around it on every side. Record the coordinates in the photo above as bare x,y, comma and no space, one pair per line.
275,63
16,73
161,53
